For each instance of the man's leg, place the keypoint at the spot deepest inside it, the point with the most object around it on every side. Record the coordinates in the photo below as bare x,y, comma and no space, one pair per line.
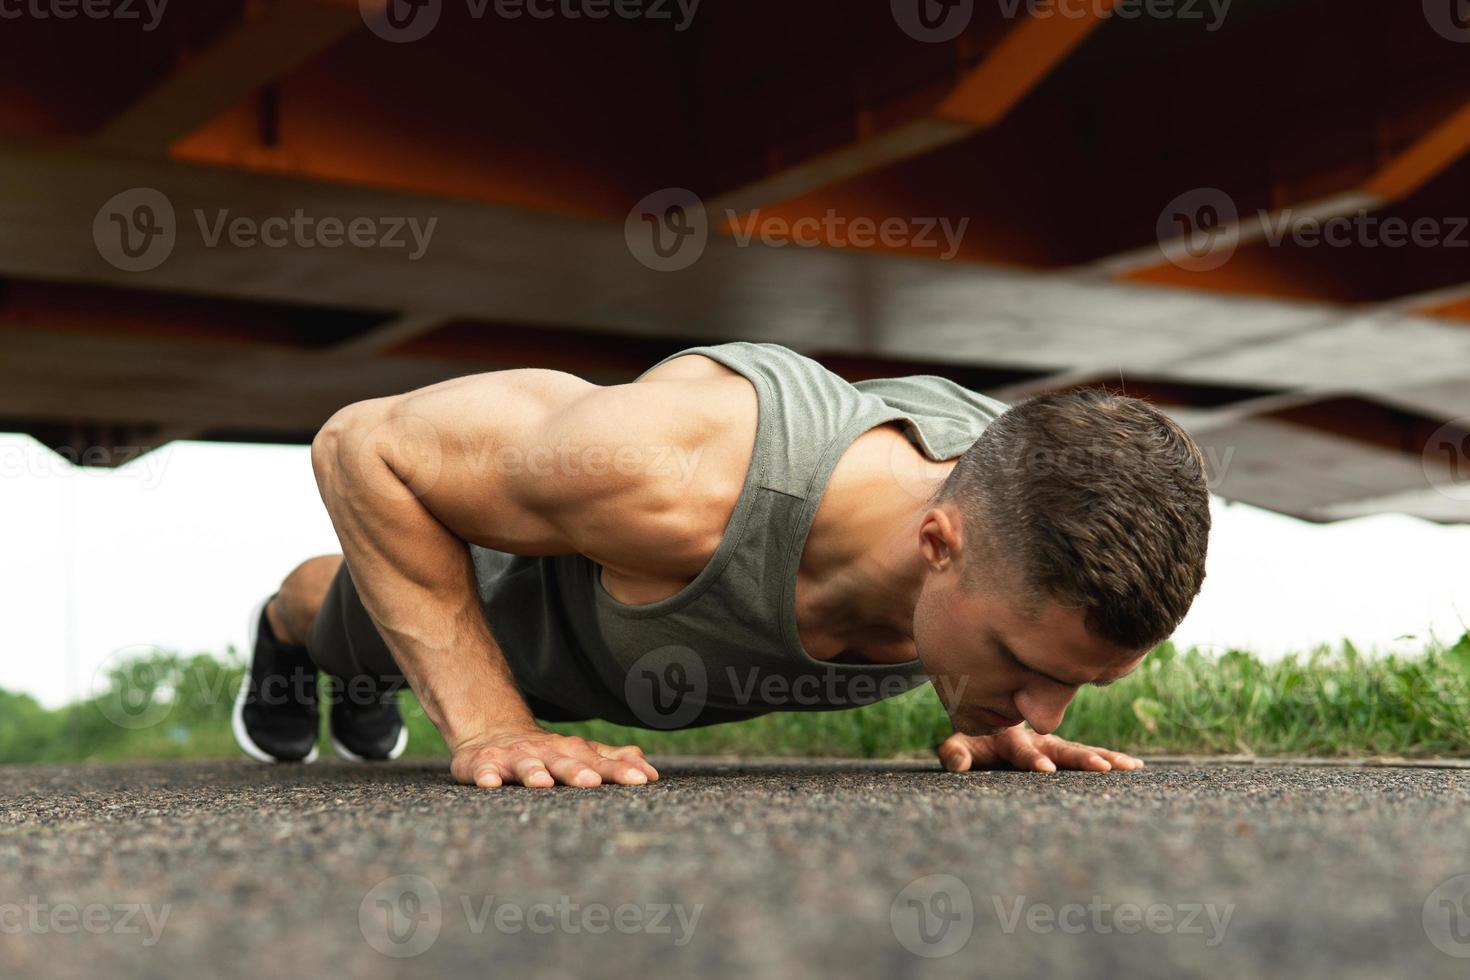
293,609
276,716
317,609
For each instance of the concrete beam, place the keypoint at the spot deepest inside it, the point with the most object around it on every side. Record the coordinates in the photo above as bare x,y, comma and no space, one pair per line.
508,265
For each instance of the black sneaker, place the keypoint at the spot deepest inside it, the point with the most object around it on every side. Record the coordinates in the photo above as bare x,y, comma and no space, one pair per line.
276,717
365,722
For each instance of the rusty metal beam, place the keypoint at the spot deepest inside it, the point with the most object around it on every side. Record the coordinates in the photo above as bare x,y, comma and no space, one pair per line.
273,38
1018,64
1406,172
981,98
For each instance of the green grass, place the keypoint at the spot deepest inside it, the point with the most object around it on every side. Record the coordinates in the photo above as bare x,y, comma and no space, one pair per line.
1327,702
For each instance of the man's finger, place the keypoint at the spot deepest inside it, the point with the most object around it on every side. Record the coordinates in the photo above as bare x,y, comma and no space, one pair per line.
627,753
618,771
954,753
1027,756
531,771
1075,756
974,753
1120,760
574,772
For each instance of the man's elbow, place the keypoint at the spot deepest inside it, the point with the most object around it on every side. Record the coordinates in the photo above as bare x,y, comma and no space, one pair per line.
332,446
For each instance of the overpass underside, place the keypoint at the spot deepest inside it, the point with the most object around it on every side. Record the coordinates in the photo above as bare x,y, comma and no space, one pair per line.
230,223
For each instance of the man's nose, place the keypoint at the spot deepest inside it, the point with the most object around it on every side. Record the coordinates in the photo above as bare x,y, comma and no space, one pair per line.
1043,707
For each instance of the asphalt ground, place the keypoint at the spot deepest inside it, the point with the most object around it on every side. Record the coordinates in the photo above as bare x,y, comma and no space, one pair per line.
734,870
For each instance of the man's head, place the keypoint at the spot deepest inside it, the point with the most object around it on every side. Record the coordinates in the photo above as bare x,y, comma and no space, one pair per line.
1063,546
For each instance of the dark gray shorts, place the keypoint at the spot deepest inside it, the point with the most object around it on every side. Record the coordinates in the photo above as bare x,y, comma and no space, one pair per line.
345,643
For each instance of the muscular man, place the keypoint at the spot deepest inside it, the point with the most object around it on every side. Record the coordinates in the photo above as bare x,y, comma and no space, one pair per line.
738,531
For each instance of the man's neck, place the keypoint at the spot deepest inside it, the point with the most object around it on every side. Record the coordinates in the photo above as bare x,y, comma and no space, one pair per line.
862,569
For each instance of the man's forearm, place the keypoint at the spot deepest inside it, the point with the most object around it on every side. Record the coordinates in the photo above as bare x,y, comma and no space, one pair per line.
415,579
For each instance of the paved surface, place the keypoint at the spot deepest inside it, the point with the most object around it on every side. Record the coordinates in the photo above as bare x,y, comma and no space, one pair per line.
733,871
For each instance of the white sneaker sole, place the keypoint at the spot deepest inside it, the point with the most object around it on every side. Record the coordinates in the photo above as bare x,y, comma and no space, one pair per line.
351,756
237,716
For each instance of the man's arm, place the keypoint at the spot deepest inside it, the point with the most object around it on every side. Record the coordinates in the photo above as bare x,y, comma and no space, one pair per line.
499,460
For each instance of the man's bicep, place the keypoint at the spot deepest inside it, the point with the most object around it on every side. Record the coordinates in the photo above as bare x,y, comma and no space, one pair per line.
541,463
476,452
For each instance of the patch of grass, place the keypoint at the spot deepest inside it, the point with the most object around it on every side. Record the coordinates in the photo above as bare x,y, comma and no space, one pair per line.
1328,702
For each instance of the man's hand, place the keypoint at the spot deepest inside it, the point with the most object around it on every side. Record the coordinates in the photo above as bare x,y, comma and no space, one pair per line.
537,758
1024,749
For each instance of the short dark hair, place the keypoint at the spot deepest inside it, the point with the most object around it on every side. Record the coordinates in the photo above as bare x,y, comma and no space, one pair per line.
1095,500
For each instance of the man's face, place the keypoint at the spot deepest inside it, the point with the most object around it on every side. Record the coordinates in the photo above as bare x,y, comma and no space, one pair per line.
995,666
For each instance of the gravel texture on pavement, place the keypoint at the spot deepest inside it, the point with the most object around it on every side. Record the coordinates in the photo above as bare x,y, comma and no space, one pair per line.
235,869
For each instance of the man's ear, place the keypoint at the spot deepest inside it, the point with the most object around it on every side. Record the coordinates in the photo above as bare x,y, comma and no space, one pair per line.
940,538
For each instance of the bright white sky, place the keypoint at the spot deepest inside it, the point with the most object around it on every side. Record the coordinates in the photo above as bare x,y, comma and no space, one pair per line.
175,549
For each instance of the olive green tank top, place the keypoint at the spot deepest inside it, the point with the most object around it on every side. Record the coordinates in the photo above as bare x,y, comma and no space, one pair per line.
726,645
